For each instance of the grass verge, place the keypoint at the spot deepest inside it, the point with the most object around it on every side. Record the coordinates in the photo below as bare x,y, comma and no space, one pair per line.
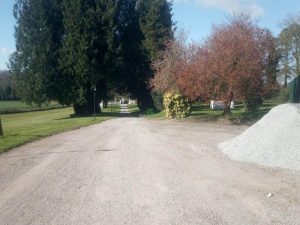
201,112
21,128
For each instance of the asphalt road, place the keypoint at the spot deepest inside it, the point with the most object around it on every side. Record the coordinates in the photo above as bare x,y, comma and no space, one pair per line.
137,171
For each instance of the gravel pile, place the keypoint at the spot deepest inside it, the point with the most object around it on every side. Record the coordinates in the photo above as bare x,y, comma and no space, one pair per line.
272,141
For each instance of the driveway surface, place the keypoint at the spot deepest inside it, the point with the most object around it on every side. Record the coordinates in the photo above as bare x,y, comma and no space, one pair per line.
139,171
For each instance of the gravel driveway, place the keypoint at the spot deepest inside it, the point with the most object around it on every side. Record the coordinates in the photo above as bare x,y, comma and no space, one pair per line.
138,171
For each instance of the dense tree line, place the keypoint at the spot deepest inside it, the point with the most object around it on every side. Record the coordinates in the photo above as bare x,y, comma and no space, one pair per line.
67,49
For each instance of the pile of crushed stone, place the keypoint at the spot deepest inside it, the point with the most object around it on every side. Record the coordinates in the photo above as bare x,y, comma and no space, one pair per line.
273,141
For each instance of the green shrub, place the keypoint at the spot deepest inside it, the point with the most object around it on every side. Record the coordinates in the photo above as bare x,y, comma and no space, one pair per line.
158,100
149,111
176,105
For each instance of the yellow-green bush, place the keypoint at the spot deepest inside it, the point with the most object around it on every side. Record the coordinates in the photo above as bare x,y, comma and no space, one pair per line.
176,105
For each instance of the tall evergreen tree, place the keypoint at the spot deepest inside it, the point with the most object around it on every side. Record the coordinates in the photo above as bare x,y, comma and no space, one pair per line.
156,24
35,62
155,19
132,66
74,59
84,55
64,48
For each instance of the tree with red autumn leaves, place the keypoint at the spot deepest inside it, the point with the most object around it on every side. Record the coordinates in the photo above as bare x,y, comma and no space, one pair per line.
237,61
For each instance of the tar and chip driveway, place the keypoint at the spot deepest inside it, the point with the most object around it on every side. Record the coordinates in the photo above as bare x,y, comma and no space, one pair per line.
137,171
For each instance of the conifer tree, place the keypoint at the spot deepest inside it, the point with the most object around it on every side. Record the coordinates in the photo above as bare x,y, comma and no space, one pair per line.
35,61
85,51
64,48
156,24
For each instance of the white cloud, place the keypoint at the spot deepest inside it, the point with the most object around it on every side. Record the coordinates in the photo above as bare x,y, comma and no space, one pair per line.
231,6
6,51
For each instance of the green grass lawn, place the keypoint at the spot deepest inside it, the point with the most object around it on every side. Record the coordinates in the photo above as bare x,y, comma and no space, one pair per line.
238,115
112,108
202,112
18,106
156,115
21,128
133,108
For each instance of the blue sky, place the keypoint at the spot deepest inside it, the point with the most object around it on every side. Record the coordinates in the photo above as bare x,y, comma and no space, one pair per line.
195,16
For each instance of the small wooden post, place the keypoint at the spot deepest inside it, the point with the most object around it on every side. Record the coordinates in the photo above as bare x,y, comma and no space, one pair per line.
1,131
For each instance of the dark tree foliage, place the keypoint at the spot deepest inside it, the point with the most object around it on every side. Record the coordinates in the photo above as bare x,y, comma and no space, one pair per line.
133,66
82,53
124,41
156,24
7,86
66,47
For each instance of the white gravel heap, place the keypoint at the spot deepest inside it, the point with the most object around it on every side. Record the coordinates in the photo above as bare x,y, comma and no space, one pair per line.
272,141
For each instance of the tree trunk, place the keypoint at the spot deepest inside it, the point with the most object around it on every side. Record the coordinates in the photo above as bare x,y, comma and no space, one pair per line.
1,131
253,103
88,108
285,80
226,110
297,56
105,104
227,103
